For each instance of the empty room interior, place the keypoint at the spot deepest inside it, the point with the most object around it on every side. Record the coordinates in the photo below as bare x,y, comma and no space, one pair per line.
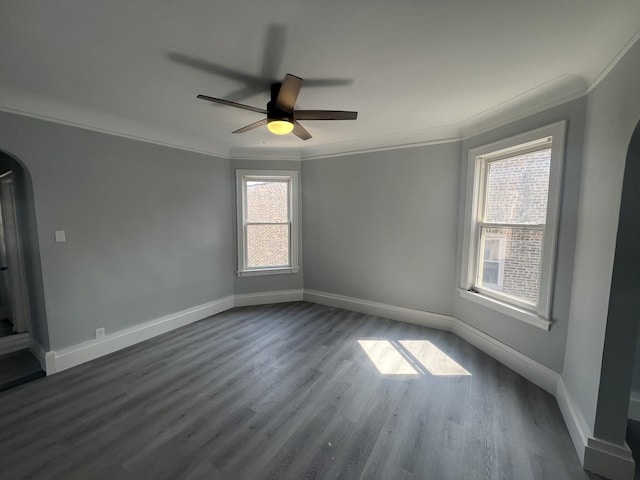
297,240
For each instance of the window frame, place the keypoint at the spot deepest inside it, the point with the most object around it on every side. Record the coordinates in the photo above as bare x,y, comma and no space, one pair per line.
293,179
551,135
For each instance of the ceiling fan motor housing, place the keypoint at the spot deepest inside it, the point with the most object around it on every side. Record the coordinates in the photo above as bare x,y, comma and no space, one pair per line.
273,112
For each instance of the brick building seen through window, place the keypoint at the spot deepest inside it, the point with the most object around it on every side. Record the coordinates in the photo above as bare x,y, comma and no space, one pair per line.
268,237
516,193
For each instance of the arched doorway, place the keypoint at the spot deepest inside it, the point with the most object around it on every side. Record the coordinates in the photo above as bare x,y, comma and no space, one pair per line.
623,314
23,327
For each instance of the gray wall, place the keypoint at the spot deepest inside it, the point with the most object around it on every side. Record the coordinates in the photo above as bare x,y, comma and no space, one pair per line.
147,226
382,226
612,114
545,347
265,283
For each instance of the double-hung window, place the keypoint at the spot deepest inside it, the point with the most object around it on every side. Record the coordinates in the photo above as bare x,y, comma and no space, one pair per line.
267,222
511,221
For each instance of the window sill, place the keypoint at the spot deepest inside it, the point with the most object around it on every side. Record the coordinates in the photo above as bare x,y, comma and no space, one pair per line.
510,310
267,271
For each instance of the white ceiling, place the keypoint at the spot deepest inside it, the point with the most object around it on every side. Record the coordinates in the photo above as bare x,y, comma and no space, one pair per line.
416,71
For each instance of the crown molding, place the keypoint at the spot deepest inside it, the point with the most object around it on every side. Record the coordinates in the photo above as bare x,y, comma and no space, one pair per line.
253,153
615,61
417,138
19,103
550,94
55,111
539,98
542,97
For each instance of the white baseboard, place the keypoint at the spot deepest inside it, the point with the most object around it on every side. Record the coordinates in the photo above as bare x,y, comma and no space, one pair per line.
598,456
634,406
576,424
15,342
39,352
402,314
609,460
264,298
59,360
534,371
63,359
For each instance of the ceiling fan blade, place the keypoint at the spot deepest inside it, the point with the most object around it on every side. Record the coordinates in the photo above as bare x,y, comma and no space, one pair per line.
324,115
288,92
300,132
233,104
326,82
257,124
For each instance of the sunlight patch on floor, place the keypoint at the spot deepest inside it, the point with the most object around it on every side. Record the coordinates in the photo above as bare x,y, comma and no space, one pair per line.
410,357
386,358
433,359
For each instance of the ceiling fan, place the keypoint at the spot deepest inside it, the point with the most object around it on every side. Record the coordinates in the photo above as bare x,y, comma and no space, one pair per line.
282,118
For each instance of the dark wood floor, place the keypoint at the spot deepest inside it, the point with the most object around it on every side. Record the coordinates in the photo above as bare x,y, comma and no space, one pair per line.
17,368
286,392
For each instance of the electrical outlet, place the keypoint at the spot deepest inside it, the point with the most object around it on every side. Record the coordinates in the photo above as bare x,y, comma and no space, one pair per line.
99,332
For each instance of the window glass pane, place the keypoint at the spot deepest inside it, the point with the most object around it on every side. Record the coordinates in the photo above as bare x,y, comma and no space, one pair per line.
518,188
267,245
491,273
492,248
267,202
513,267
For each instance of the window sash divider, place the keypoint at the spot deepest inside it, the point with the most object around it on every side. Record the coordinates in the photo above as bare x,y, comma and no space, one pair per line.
517,226
515,153
267,223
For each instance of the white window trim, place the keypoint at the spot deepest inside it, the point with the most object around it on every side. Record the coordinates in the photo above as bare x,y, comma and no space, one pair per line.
293,177
540,316
507,309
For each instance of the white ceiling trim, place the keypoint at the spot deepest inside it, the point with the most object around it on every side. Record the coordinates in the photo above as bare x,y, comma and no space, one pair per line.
555,92
615,61
542,97
264,154
20,103
65,114
29,105
355,148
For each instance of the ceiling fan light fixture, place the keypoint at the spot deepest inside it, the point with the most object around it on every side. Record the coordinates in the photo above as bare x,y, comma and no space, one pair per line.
280,127
281,114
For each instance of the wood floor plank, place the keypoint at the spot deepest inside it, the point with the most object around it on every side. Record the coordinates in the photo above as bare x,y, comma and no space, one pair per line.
285,391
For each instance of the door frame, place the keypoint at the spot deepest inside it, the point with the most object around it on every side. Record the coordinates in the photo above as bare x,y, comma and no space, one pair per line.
15,254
